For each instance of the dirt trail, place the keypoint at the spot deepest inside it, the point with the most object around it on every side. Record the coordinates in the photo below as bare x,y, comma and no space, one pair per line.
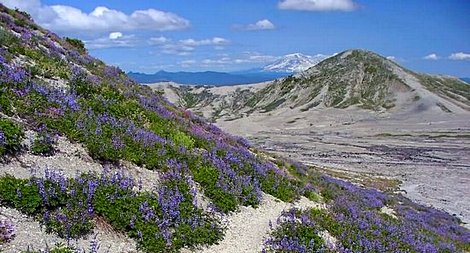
248,228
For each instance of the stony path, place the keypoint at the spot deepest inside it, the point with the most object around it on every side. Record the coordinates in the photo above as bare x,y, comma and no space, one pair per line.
248,228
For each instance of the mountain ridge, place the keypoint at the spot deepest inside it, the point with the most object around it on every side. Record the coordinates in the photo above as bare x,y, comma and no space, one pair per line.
353,78
206,77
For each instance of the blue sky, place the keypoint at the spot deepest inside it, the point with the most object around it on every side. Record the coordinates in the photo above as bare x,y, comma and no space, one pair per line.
226,35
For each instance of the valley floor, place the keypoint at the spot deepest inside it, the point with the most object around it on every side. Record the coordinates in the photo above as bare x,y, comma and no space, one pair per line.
429,157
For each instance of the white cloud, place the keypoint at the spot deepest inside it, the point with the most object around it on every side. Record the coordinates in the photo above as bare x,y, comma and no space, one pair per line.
114,39
264,24
243,58
432,56
187,63
258,57
186,46
159,40
64,18
176,49
317,5
115,35
214,41
460,56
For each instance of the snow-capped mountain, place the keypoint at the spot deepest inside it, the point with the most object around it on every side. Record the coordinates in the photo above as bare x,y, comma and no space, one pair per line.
294,63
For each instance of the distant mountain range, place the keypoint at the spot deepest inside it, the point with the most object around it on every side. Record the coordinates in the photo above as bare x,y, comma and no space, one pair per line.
465,79
207,77
282,67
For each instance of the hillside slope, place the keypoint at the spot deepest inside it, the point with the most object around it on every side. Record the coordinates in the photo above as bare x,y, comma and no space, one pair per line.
89,155
354,78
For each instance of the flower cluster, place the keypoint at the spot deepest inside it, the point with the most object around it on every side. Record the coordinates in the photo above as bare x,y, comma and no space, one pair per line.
355,219
7,231
43,143
163,220
296,232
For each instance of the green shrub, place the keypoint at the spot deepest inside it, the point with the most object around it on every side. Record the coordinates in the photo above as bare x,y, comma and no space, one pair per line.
182,139
207,177
296,231
77,44
20,194
43,144
6,101
11,136
280,187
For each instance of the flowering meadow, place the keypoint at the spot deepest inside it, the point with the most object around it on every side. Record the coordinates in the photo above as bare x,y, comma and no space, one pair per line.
53,87
355,218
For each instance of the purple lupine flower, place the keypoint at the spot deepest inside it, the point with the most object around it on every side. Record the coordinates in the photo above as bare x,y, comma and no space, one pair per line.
117,142
42,191
166,234
2,138
132,222
146,211
7,231
94,244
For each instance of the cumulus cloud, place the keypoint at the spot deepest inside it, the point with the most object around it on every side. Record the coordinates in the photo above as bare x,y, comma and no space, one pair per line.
460,56
317,5
391,57
115,35
176,49
63,18
257,57
263,24
159,40
186,46
114,39
216,41
432,56
243,58
187,63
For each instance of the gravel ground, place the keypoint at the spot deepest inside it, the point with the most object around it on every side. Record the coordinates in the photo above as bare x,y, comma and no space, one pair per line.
428,152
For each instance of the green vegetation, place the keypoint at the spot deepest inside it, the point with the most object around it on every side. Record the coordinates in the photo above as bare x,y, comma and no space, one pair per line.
67,207
11,135
43,144
77,44
273,105
449,87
